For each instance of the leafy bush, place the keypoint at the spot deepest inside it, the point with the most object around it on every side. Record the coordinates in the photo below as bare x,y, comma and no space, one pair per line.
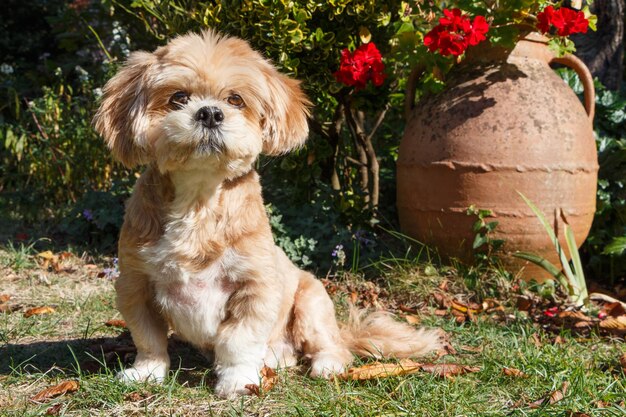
51,150
605,255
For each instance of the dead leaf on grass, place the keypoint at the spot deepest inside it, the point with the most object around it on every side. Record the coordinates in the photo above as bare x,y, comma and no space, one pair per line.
615,309
269,378
524,303
411,319
536,341
441,312
622,361
473,349
442,300
558,340
4,298
558,395
470,308
116,323
37,311
553,398
514,373
52,392
574,316
447,370
407,309
614,324
405,367
380,370
54,410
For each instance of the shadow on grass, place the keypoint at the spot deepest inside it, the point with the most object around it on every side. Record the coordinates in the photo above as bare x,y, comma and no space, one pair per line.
104,356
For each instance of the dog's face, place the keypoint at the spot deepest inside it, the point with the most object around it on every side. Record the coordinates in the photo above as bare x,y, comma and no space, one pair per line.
201,99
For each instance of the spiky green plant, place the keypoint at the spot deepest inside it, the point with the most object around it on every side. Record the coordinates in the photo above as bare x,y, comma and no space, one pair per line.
571,275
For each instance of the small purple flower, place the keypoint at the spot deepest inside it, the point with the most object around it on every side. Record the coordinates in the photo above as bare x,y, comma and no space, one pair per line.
87,214
338,249
361,237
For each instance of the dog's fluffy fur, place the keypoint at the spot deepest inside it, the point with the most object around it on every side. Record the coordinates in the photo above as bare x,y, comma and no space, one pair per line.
196,252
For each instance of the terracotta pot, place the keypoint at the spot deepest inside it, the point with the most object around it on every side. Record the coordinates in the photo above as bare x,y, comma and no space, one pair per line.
505,123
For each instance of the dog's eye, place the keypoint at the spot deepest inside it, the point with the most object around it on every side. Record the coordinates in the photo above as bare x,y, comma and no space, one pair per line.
235,100
179,99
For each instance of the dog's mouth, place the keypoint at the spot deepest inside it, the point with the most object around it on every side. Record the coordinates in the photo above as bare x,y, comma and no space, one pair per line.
210,143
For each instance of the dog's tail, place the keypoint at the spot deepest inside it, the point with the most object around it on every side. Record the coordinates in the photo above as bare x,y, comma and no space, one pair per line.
379,335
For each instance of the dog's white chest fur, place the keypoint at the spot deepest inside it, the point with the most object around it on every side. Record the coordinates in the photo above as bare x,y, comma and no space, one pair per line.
195,303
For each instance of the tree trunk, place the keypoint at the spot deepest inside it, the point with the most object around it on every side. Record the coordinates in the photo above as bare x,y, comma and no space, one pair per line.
603,51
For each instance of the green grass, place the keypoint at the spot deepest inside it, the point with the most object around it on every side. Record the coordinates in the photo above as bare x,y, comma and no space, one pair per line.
40,351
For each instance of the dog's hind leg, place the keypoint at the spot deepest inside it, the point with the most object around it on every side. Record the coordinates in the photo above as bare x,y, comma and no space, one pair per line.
315,330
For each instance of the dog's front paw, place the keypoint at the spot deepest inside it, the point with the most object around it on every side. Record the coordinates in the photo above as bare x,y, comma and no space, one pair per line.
232,381
324,365
148,372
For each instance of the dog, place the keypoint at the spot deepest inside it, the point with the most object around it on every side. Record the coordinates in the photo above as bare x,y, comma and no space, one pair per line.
196,252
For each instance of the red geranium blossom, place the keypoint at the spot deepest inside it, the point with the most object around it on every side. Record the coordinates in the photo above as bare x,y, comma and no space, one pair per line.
455,33
359,67
566,21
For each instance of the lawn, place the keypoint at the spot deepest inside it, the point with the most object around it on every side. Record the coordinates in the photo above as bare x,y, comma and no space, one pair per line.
521,364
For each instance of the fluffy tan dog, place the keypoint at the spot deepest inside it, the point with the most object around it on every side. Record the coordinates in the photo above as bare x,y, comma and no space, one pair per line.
196,252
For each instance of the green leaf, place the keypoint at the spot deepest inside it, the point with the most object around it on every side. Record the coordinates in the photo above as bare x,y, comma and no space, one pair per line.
616,247
580,289
553,238
545,264
479,240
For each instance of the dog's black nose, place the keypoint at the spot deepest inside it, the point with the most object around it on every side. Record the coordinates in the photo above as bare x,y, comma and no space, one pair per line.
210,116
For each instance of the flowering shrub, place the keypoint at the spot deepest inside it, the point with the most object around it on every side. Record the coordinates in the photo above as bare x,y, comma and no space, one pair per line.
566,21
359,67
455,33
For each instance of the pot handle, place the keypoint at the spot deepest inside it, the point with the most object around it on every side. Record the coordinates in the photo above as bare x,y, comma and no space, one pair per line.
585,77
411,87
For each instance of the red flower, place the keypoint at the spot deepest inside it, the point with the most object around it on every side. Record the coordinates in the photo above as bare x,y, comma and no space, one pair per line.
479,29
545,19
360,66
455,33
551,312
566,21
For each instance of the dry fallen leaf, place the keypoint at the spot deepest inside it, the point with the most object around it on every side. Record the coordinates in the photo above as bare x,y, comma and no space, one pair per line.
411,319
614,324
4,298
574,316
441,312
116,323
36,311
524,303
553,398
442,300
269,377
558,395
381,370
470,308
473,349
622,361
407,309
59,389
54,410
447,370
514,372
536,341
615,309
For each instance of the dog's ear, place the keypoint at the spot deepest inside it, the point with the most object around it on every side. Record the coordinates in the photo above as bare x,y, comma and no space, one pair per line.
122,116
285,124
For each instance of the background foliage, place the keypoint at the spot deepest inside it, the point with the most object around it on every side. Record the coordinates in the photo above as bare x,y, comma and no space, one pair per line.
54,170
